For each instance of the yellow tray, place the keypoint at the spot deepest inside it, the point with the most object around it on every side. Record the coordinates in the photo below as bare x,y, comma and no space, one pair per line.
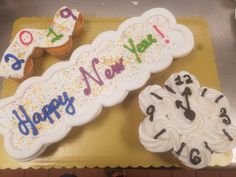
111,140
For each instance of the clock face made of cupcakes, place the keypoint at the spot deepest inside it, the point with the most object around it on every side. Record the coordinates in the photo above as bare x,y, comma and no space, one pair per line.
191,121
71,93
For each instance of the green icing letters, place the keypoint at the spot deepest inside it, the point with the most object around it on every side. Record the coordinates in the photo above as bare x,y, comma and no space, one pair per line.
140,47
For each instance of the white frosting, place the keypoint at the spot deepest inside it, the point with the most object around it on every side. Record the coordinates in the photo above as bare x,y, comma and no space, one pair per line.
171,82
193,143
216,137
186,126
33,38
162,107
209,130
115,69
149,129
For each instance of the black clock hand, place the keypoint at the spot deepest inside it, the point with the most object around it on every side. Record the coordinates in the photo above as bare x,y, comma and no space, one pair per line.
178,104
187,92
188,112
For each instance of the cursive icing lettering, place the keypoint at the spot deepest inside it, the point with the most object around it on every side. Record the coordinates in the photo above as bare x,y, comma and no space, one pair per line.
117,68
24,125
109,73
27,124
86,74
140,47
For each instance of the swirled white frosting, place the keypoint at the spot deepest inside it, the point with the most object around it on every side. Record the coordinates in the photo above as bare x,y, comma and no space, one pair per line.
186,126
196,120
164,142
179,89
194,154
216,137
162,106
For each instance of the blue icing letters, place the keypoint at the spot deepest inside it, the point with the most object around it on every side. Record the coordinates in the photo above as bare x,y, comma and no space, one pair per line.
26,124
18,62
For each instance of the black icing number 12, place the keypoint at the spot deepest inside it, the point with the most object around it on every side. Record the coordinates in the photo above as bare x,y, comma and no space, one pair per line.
188,80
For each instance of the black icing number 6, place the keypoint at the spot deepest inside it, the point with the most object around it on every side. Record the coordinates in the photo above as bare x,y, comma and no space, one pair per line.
194,156
188,80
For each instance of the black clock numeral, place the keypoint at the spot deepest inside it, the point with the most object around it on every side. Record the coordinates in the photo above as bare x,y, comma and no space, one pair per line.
207,147
194,156
178,81
204,92
180,149
219,98
150,111
189,79
160,133
156,96
228,135
223,114
170,89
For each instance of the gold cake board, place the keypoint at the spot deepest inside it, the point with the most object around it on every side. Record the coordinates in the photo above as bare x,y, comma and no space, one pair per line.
111,140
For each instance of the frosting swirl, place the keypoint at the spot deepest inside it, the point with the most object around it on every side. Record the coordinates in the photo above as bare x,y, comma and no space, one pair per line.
220,136
158,135
179,81
186,126
193,151
191,121
157,96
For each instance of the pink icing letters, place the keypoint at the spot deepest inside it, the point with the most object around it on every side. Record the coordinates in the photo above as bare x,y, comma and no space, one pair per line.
99,81
117,68
161,34
23,41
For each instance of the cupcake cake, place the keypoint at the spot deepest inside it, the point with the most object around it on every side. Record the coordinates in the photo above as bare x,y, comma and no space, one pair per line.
28,44
72,93
192,122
